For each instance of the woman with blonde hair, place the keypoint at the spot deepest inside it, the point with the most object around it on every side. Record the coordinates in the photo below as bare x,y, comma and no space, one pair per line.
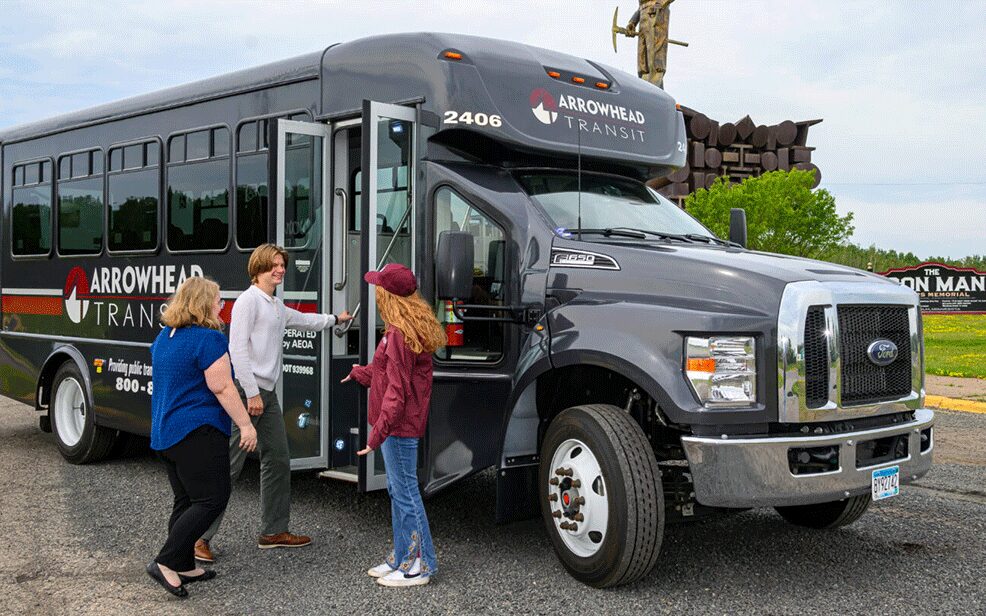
399,378
193,401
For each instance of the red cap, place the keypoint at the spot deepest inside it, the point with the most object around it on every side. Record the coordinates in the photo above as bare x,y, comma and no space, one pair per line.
395,278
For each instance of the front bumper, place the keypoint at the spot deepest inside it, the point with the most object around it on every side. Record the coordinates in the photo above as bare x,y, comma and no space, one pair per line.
755,472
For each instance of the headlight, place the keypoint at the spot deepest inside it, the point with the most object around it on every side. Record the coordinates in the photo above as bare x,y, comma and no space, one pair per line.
722,369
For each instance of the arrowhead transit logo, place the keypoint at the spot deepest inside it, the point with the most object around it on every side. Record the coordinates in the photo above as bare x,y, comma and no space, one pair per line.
76,286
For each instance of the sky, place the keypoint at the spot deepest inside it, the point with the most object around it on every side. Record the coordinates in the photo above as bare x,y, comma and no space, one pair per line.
900,84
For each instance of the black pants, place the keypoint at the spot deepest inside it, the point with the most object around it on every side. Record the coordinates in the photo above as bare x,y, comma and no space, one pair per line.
198,469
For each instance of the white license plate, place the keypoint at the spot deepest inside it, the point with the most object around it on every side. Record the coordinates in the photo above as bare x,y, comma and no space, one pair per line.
886,483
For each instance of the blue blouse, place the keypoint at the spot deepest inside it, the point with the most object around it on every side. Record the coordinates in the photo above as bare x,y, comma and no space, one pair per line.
182,401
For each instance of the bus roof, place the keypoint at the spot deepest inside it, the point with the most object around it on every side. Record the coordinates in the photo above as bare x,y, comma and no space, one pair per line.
525,96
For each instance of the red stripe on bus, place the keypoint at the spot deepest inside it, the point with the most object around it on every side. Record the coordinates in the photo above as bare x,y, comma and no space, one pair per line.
303,306
21,304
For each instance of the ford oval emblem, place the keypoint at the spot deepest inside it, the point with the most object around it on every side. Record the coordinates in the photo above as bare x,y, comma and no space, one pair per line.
882,352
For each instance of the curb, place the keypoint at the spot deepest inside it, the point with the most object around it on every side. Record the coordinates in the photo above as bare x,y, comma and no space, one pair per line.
955,404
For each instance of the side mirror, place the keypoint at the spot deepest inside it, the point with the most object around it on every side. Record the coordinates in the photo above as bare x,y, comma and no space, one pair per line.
737,226
453,265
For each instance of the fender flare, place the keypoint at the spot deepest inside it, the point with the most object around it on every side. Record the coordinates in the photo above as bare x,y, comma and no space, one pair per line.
50,366
517,437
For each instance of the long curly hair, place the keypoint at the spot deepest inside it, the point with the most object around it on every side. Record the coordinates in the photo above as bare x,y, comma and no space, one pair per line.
414,318
192,304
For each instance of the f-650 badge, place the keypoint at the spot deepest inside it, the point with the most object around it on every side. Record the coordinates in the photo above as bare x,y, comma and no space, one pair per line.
563,257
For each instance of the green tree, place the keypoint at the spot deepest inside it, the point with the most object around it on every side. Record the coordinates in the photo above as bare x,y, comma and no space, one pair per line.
783,213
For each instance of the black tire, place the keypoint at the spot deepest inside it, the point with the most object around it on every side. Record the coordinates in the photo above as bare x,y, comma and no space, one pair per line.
635,526
827,515
95,442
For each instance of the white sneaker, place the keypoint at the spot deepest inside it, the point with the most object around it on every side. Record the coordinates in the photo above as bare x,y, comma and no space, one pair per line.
398,578
379,571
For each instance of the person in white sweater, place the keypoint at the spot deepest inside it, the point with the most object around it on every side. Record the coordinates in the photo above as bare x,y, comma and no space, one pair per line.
255,334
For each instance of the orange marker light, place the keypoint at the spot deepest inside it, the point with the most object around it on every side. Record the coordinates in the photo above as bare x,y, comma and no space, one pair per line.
602,85
578,79
554,74
705,364
677,106
452,55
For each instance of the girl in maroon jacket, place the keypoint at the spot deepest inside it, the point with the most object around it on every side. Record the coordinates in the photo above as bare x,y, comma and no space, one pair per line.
399,378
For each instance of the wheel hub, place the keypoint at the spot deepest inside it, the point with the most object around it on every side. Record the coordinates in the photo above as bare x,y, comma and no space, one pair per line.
577,486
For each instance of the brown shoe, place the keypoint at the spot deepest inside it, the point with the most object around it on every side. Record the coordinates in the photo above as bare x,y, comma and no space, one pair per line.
283,540
202,551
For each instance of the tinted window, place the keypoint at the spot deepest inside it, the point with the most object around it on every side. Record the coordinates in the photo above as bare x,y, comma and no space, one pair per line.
133,206
80,216
198,205
31,220
247,138
176,149
133,156
251,200
478,341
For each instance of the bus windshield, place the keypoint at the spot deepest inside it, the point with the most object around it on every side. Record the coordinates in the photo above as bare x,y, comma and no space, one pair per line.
607,203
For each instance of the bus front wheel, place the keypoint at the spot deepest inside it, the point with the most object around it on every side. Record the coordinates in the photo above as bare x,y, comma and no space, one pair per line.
601,495
79,439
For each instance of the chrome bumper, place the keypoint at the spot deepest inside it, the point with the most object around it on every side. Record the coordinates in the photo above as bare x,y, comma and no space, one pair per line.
755,472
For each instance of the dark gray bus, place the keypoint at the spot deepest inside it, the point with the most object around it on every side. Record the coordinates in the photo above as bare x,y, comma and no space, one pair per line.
617,364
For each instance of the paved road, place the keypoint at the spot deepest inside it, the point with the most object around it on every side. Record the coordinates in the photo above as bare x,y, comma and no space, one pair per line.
77,538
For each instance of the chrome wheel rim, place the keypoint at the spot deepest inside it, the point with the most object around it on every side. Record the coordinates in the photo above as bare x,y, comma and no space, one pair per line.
70,412
577,497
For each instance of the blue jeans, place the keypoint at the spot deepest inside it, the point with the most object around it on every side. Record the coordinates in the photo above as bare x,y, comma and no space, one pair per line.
412,537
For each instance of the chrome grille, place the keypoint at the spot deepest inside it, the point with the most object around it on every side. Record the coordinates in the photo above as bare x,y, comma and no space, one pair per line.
862,381
816,358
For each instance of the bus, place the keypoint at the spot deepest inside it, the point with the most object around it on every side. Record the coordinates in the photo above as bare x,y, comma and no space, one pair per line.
616,363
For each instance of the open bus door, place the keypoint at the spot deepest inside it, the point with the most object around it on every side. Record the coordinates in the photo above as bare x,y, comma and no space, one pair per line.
301,212
387,235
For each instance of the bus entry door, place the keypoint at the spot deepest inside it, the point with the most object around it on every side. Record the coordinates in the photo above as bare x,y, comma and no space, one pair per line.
302,157
386,189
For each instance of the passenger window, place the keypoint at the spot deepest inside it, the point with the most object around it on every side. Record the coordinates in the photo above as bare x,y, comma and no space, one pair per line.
133,197
473,341
80,205
198,191
31,216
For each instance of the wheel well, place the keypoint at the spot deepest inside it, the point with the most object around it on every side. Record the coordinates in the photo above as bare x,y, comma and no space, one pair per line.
578,384
46,378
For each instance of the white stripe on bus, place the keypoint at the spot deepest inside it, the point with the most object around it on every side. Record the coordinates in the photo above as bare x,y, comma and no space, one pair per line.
13,291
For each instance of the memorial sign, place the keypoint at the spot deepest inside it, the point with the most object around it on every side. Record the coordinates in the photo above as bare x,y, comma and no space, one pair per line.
944,289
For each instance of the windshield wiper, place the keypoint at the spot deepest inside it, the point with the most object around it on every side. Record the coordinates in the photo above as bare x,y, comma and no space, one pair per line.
708,238
620,232
660,234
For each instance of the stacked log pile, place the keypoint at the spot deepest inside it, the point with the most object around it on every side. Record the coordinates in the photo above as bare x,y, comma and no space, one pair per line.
737,150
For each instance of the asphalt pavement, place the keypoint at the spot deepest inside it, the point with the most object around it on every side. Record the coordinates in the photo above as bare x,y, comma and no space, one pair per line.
77,539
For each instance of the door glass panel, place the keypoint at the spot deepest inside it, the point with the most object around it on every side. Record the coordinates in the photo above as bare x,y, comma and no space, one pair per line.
387,237
299,214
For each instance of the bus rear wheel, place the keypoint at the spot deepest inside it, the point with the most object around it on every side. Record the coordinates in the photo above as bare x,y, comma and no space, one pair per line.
601,496
79,439
827,515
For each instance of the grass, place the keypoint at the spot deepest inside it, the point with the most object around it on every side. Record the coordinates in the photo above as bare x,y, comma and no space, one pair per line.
955,345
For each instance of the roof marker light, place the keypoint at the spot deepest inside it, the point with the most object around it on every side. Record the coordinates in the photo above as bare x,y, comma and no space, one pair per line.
578,79
602,85
554,74
452,55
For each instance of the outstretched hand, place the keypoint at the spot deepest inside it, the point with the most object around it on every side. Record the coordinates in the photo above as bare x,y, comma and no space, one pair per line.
364,451
344,316
349,377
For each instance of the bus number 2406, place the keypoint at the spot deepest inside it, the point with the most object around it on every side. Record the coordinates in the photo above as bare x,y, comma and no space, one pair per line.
468,117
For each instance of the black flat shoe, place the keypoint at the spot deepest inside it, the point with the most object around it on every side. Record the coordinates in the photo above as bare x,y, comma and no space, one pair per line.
204,577
155,572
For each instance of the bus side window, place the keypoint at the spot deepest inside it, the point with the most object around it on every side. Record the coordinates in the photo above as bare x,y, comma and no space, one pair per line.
198,190
133,196
479,341
80,203
31,216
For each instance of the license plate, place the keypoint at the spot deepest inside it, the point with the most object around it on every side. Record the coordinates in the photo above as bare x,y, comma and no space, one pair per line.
886,483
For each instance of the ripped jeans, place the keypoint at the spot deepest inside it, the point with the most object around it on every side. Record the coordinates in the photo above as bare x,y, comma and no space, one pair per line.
412,537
